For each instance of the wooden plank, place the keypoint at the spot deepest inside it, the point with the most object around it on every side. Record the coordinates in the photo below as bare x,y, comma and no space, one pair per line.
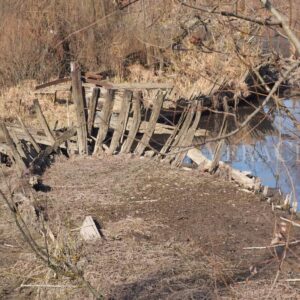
130,85
29,136
142,86
159,128
121,122
92,109
104,120
89,84
38,135
186,125
251,183
135,124
21,167
128,107
183,131
51,83
79,108
144,142
189,137
43,121
172,137
218,150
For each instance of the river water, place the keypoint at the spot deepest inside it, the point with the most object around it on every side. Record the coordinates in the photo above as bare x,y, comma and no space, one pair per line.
269,147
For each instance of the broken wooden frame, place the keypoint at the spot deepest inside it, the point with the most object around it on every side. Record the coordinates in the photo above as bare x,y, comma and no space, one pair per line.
113,121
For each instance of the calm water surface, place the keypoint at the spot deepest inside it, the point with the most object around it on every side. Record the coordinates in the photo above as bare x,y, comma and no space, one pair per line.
269,148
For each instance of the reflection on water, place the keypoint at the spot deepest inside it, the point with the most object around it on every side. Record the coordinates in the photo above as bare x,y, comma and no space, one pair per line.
269,147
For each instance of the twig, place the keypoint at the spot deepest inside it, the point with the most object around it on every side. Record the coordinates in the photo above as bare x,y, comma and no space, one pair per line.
290,221
231,14
271,246
47,286
293,280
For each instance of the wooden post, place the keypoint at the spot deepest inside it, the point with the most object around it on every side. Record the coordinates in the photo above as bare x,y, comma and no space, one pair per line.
151,125
134,127
104,120
42,120
29,136
79,107
92,109
21,167
121,124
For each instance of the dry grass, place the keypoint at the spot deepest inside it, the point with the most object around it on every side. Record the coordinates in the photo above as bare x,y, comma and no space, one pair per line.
165,234
18,100
261,290
145,29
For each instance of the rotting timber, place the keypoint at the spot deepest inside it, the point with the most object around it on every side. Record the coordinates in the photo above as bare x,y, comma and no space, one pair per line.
114,118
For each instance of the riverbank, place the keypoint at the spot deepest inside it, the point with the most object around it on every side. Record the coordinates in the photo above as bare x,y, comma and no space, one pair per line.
167,233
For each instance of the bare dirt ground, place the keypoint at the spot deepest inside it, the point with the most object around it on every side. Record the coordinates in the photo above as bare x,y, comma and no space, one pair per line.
167,234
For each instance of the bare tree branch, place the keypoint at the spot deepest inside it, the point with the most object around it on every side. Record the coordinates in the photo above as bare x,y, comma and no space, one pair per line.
231,14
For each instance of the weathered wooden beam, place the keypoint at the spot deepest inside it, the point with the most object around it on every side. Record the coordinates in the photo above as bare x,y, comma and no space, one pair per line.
187,140
21,167
29,136
183,130
144,142
126,120
160,128
251,183
142,86
52,83
130,85
104,120
121,124
43,121
174,133
186,125
218,150
92,109
38,135
64,85
135,124
79,108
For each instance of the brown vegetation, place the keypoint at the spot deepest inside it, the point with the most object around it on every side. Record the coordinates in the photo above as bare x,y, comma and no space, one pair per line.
40,38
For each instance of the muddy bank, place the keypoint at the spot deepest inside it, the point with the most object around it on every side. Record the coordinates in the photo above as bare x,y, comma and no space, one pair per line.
168,233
